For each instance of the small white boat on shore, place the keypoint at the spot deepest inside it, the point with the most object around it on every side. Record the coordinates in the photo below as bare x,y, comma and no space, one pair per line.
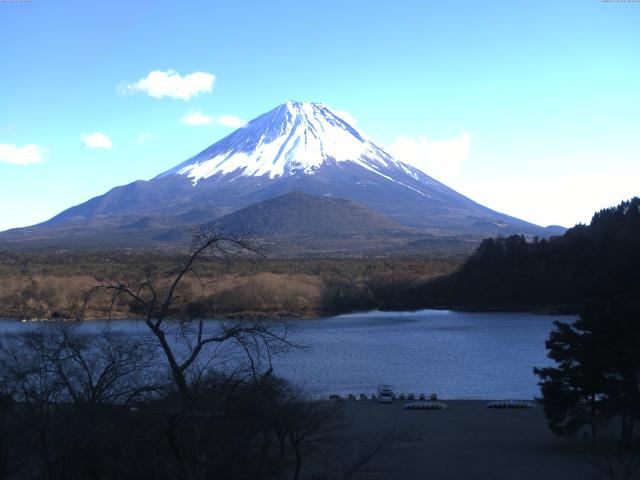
385,393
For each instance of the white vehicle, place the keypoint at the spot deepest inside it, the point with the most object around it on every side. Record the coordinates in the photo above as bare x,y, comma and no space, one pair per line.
385,394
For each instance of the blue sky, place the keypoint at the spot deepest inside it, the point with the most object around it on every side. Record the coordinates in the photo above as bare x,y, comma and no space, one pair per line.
531,108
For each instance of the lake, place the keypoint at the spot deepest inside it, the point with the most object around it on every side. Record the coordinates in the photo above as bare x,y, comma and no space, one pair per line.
457,355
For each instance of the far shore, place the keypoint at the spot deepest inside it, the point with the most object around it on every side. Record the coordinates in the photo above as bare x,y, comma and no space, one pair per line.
286,315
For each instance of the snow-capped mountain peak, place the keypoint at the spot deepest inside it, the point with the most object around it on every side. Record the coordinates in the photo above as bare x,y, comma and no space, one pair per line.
293,138
296,147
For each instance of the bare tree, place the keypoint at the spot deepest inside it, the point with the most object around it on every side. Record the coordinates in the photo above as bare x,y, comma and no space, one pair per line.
301,425
616,463
350,456
314,435
219,413
195,349
27,381
157,297
108,367
61,380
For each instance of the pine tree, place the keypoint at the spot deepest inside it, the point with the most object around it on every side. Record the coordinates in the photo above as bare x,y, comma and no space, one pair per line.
597,376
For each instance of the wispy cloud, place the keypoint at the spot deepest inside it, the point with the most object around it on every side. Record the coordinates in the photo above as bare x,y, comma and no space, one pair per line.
346,116
96,140
437,158
231,121
143,137
159,84
196,118
199,119
30,153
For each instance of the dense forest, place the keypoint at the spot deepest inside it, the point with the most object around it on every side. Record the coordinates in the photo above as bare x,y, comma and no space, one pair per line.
53,284
589,263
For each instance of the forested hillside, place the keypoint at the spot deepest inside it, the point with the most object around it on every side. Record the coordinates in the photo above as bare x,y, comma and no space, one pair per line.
599,261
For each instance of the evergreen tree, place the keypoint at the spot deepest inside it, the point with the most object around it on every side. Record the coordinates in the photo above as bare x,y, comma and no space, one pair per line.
597,376
598,262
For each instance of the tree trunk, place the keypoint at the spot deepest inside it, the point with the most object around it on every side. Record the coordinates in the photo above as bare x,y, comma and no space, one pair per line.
265,449
44,443
594,420
172,441
626,430
296,474
176,371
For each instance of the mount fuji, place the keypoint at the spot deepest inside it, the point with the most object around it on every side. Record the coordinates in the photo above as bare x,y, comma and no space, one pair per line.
296,147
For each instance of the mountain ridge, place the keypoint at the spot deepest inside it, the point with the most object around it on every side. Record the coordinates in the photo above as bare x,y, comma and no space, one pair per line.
295,147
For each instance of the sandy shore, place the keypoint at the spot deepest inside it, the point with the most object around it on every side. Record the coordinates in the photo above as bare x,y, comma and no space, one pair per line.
469,441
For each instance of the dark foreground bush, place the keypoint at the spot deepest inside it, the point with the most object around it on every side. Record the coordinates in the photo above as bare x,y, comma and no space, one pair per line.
77,406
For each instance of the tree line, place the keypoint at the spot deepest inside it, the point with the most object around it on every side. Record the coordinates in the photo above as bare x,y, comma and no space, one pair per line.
589,263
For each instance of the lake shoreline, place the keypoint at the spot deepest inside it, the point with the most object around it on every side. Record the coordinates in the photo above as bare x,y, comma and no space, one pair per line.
315,315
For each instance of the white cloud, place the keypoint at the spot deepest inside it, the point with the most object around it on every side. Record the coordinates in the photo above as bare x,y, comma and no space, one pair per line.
437,158
346,116
96,140
558,199
143,137
196,118
159,84
30,153
231,121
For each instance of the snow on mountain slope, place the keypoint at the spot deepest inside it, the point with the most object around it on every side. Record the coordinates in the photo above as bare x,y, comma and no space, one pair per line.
296,137
296,147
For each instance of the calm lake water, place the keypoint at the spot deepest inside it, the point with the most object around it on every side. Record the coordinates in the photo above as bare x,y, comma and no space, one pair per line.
458,355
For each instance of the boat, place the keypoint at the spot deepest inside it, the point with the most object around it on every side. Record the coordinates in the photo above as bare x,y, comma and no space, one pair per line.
385,394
